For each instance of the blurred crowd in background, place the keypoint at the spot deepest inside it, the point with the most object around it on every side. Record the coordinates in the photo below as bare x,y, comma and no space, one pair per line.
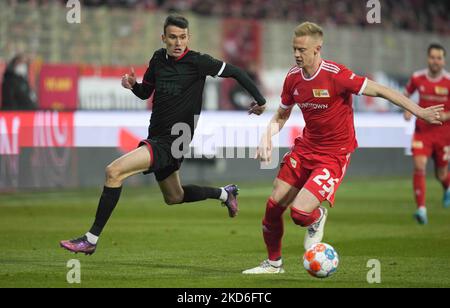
56,65
411,15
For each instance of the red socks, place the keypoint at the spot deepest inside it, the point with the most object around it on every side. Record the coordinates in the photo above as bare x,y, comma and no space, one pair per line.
304,219
420,188
273,229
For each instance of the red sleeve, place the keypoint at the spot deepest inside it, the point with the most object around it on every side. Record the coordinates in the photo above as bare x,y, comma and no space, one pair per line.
410,87
287,100
348,82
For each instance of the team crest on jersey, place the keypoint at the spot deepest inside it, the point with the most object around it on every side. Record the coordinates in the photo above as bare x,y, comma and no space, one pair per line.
321,93
293,163
441,90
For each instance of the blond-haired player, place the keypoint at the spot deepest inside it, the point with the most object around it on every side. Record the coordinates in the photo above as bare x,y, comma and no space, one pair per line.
312,172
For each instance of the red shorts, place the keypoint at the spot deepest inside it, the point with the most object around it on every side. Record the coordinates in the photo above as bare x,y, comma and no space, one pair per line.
438,148
320,174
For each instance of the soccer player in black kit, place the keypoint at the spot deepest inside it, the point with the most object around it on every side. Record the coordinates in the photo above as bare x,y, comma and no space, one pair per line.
176,77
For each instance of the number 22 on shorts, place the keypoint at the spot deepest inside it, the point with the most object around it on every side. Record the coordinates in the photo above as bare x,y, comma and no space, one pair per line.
319,180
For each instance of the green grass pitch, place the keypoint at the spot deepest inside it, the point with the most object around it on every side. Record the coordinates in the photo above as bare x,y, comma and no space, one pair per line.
148,244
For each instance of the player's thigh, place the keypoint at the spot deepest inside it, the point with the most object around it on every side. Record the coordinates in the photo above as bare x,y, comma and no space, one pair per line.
134,162
306,201
420,162
171,188
441,173
322,183
441,155
441,158
422,149
283,193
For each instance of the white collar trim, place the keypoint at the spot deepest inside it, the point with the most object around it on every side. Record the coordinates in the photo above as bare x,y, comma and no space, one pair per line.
315,75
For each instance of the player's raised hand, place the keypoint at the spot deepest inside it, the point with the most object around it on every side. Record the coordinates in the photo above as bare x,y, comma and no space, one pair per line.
129,80
256,109
432,114
264,150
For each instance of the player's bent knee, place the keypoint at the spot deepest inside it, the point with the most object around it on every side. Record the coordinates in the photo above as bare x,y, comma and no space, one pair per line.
299,218
420,171
112,173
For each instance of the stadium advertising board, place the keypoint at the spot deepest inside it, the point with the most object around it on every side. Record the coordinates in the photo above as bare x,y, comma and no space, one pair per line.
58,87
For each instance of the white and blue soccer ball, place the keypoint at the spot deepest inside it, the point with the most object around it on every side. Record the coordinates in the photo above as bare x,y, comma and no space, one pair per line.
321,260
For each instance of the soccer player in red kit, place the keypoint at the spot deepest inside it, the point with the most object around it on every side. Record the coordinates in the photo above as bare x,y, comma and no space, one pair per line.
433,85
312,172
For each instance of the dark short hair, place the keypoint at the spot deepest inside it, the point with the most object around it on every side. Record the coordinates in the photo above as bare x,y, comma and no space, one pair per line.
438,47
176,20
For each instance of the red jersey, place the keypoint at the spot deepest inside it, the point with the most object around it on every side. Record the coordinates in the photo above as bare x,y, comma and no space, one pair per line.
326,103
432,92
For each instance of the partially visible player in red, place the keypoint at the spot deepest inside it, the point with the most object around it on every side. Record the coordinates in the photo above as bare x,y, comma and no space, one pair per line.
312,172
433,85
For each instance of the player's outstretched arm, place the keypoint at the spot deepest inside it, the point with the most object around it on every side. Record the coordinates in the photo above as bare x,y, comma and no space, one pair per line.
406,114
264,151
245,81
431,115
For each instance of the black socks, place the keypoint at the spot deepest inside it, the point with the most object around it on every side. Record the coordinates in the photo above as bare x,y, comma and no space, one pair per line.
110,197
106,206
194,193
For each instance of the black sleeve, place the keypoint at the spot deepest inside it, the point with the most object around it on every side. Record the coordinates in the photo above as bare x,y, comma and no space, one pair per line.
208,66
145,89
244,80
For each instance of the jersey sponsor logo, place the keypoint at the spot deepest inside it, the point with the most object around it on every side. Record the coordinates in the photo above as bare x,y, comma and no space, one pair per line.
171,88
436,98
440,90
296,92
321,93
313,106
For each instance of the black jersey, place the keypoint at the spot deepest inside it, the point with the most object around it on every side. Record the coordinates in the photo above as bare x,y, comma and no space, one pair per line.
177,85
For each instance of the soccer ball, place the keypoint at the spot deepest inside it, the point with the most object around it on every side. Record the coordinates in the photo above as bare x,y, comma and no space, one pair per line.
321,260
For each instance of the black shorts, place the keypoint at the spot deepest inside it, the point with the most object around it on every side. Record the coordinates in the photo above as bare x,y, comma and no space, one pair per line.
163,163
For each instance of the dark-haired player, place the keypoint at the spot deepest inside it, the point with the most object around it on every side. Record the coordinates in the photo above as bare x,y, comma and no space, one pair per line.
176,77
433,85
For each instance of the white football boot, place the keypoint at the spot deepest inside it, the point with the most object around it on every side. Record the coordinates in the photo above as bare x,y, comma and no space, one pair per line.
314,233
265,268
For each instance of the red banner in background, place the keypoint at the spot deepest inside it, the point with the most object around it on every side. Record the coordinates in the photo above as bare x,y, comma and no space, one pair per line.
35,129
58,87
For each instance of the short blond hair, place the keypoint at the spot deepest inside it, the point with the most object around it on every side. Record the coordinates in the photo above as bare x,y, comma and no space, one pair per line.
309,29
